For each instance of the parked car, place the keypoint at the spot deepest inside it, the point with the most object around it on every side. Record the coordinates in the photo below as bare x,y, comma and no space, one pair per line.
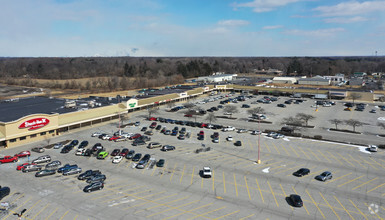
135,136
160,163
83,144
38,149
301,172
181,137
45,173
96,178
23,154
158,127
154,145
229,138
58,145
373,148
102,155
80,152
153,125
149,133
94,186
9,159
152,119
143,162
115,152
206,172
238,143
296,200
31,168
278,136
324,176
4,191
130,154
66,167
242,130
96,134
137,157
255,132
74,143
96,147
88,174
281,105
42,159
72,171
124,152
66,149
117,159
21,166
167,148
53,165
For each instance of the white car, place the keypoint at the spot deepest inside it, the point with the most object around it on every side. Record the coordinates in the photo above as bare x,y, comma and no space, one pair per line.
206,172
96,134
229,138
242,130
228,128
106,137
80,152
256,132
271,134
278,136
373,148
327,105
226,113
117,159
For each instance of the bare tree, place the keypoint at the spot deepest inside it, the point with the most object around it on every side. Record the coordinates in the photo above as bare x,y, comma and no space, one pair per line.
151,111
170,104
336,122
305,117
124,117
354,123
211,117
292,122
255,111
189,105
231,109
354,96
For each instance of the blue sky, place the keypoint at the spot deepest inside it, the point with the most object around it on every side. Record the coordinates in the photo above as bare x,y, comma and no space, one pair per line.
70,28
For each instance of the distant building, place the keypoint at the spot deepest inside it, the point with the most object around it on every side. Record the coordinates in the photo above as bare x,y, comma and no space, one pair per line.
359,75
269,72
285,80
356,82
337,79
315,81
217,77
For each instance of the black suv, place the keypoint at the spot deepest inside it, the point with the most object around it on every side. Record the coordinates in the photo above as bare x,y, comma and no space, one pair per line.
94,186
96,178
88,174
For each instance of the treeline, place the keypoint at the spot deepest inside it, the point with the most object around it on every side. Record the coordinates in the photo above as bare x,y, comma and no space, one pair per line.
186,67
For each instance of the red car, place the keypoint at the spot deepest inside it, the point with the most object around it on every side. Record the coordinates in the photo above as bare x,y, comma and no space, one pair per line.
153,119
187,115
113,138
23,154
20,167
9,159
201,133
153,125
124,152
203,125
135,136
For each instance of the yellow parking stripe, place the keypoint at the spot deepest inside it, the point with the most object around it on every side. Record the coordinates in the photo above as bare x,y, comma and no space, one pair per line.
335,159
40,211
143,203
224,183
353,159
235,185
376,213
76,216
304,153
343,207
370,164
276,148
315,204
338,178
247,187
203,214
294,150
228,214
192,176
376,162
272,192
267,147
157,213
181,177
324,156
260,191
187,212
154,169
173,171
17,208
345,159
365,183
283,147
330,206
249,216
283,165
351,181
51,213
284,193
315,155
64,215
358,209
166,203
295,191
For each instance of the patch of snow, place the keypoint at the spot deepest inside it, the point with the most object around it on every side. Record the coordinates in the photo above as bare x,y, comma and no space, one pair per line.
266,170
285,139
381,118
360,148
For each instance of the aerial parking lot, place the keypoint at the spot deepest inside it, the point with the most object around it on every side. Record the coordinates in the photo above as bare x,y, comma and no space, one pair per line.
235,187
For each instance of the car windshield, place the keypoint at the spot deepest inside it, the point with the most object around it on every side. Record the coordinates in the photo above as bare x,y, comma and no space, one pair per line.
324,173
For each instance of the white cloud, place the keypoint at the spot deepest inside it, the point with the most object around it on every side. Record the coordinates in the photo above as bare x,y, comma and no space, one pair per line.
265,5
272,27
315,33
343,20
233,22
351,8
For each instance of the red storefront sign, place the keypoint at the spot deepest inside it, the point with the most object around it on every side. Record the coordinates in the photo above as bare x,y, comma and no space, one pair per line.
35,123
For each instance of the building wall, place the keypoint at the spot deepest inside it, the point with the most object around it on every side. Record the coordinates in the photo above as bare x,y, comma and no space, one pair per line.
315,83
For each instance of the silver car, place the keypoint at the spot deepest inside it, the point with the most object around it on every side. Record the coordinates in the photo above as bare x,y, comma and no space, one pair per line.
324,176
72,171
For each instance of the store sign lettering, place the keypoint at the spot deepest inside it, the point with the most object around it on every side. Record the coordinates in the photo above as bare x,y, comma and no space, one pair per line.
131,105
35,123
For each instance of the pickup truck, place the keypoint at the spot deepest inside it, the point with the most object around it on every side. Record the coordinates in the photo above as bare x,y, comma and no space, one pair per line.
66,167
9,159
88,174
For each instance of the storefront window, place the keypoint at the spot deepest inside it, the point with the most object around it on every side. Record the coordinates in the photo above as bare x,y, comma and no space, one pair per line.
33,135
12,140
42,133
51,131
23,138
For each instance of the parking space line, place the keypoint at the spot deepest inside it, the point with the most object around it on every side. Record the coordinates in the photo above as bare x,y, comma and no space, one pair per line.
338,178
343,207
40,211
294,150
272,192
291,168
376,162
162,204
358,209
284,193
264,165
224,183
29,209
116,198
295,191
315,204
143,203
177,207
187,212
154,169
283,165
315,155
76,216
260,191
304,153
99,197
213,180
247,187
232,213
192,175
329,206
163,171
375,212
276,148
235,185
364,183
250,145
376,188
267,147
181,177
64,214
203,214
285,150
249,216
17,208
370,164
359,163
51,213
345,159
351,181
21,195
324,156
335,159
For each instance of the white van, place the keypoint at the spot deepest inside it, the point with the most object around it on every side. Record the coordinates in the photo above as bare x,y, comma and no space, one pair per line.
373,148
